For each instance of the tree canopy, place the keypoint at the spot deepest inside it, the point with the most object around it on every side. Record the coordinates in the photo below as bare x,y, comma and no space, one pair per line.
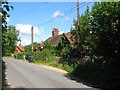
9,33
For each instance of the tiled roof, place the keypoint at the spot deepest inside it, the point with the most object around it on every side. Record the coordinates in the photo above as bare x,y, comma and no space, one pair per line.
41,45
54,40
21,48
70,37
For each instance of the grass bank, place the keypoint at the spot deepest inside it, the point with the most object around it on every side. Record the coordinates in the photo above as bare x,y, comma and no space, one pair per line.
66,67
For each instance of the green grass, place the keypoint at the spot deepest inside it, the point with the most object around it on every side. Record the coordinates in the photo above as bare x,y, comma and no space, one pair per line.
65,67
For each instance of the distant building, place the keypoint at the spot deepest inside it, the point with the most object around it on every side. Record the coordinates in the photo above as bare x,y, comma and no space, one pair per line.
54,40
19,48
41,46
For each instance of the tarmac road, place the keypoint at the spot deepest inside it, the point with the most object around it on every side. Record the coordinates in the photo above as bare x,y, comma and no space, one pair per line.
21,74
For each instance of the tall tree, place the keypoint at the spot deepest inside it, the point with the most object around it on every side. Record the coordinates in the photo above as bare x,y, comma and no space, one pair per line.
106,23
28,48
11,39
85,28
9,33
106,27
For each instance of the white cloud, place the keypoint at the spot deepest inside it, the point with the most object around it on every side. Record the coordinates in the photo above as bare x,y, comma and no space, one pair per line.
57,13
25,33
26,41
61,32
26,29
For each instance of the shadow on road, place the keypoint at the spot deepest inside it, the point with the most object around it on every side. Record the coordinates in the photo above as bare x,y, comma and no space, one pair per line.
71,77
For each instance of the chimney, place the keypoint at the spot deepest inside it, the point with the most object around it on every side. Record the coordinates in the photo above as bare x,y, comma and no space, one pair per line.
19,44
55,32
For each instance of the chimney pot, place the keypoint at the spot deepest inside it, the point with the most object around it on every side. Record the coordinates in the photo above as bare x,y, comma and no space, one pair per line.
55,32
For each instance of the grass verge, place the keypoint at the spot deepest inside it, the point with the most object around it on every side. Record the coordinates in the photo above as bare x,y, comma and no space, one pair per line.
68,68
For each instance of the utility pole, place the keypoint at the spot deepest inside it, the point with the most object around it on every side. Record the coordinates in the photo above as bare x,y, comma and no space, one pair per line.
32,40
78,15
78,26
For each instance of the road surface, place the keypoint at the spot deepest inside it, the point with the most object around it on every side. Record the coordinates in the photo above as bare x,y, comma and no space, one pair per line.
21,74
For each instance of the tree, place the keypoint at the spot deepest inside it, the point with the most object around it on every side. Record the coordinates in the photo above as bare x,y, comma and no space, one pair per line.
105,26
11,38
63,46
28,48
48,45
85,28
5,8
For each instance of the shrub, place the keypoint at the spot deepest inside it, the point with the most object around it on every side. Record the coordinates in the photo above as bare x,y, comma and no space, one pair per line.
37,55
44,55
8,54
20,55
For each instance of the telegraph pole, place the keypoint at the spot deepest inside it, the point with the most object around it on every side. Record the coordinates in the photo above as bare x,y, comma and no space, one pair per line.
78,15
32,40
78,26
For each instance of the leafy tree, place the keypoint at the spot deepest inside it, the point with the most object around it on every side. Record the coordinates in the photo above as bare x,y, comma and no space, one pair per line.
63,46
11,39
104,46
5,8
48,45
106,23
28,48
84,34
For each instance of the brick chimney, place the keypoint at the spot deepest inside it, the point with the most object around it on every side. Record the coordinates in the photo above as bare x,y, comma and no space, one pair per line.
19,44
55,32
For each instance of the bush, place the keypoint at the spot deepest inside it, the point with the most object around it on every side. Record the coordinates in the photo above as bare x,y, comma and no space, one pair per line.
44,55
37,55
20,55
93,73
8,54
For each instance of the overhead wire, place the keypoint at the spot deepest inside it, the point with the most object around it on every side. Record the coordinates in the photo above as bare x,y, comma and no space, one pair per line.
29,12
60,16
52,19
55,18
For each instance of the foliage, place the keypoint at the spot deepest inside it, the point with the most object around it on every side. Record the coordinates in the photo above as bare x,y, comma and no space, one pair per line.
9,34
103,43
83,35
106,27
5,8
20,55
106,18
42,55
28,48
49,47
91,73
63,47
68,68
8,54
10,40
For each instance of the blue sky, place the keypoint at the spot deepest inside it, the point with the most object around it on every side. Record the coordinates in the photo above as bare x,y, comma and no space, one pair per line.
40,15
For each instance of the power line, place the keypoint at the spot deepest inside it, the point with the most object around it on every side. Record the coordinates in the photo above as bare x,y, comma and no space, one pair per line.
60,16
47,22
29,12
